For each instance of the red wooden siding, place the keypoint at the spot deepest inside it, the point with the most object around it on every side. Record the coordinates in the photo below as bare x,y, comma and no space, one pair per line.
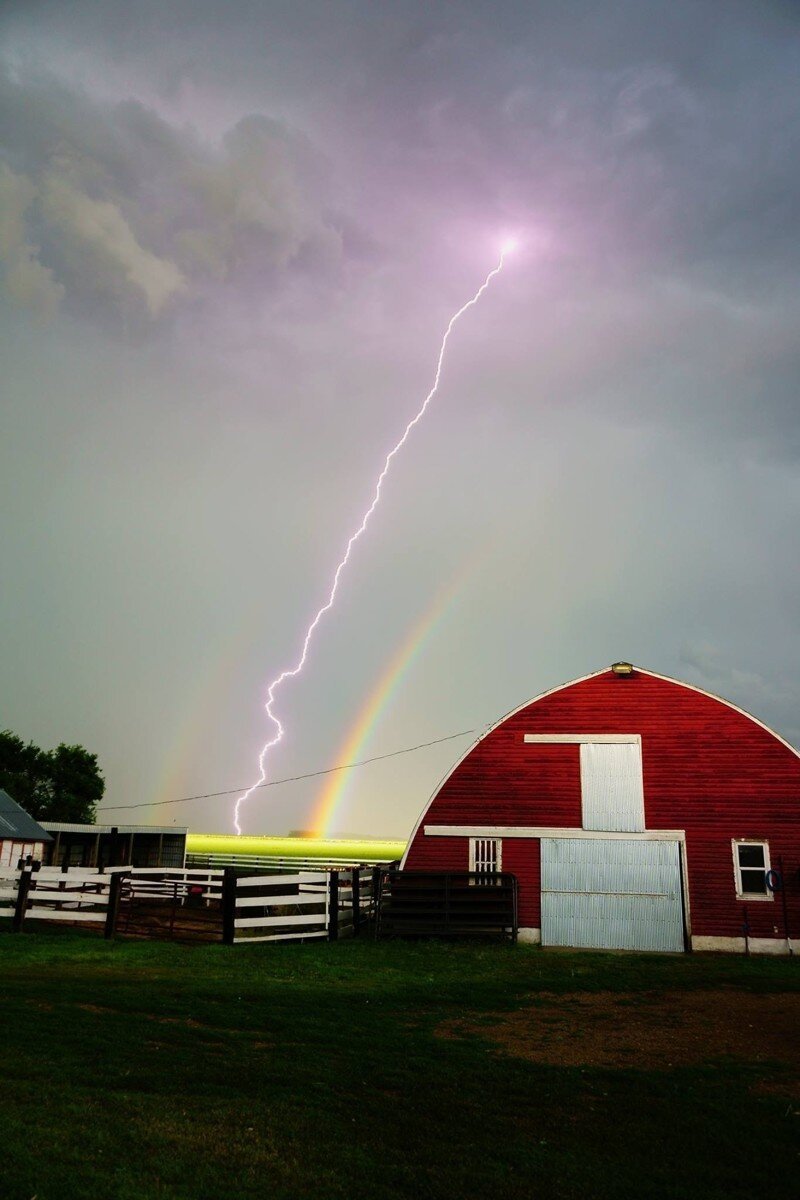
708,769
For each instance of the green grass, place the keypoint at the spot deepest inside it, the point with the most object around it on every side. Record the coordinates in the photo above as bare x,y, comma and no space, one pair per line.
154,1070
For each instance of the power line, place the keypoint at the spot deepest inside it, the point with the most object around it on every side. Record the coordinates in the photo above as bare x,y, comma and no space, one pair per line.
289,778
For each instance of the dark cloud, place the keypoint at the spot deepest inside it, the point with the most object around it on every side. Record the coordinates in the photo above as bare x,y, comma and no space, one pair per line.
767,697
248,225
110,202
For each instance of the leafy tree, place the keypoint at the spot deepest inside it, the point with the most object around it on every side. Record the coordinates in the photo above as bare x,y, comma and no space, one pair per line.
64,784
23,772
76,784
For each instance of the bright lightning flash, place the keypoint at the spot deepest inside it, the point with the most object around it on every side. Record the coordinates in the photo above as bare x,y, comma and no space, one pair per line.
508,245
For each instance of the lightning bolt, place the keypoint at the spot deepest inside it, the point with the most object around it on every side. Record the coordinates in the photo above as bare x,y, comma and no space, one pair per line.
290,673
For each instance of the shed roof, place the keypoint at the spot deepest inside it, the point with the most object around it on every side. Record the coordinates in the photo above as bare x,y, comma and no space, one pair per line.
93,830
17,825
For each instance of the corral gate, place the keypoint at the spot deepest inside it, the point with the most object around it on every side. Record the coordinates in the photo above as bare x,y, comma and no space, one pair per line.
612,894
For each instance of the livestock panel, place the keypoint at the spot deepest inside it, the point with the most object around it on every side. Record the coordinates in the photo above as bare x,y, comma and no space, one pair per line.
468,903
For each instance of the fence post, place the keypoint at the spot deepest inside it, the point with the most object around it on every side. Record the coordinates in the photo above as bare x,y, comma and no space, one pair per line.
22,900
62,882
376,900
786,933
112,912
333,906
356,893
229,905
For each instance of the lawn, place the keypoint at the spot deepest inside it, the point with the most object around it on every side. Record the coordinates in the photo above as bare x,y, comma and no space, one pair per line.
135,1069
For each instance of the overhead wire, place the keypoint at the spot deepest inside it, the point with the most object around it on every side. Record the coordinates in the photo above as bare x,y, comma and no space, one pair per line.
289,778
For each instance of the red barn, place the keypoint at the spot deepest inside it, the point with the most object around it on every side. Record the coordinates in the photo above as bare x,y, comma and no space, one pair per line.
637,812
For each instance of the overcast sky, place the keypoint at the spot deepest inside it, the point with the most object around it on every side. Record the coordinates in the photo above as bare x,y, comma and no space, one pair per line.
232,235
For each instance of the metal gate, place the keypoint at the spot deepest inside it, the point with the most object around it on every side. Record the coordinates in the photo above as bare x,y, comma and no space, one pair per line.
612,894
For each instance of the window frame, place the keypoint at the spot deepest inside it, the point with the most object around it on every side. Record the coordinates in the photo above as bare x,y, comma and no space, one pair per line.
473,856
755,897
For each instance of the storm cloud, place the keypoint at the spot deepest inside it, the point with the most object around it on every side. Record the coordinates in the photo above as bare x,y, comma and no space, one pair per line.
112,204
230,239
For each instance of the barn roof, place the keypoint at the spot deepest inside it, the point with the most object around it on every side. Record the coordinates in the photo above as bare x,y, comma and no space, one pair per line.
17,825
635,670
76,827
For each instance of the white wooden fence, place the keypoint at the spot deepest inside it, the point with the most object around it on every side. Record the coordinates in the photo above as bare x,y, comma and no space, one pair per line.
169,883
82,894
9,883
296,905
280,907
49,894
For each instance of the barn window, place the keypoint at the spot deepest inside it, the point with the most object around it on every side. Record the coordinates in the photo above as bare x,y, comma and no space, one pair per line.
485,855
751,864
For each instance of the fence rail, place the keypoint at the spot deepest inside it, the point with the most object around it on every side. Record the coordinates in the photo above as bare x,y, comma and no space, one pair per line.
262,905
275,862
301,905
9,884
84,898
268,907
150,901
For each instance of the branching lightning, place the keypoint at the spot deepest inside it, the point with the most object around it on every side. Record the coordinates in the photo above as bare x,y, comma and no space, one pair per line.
276,683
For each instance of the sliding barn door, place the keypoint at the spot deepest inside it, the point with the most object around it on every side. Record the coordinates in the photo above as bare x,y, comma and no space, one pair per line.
611,894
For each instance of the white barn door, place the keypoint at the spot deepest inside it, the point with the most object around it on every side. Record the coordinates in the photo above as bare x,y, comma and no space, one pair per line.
611,894
612,791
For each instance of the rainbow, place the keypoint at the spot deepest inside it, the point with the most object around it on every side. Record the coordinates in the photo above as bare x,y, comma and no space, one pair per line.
383,691
218,676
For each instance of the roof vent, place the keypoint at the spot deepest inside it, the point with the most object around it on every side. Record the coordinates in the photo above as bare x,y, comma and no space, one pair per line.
622,668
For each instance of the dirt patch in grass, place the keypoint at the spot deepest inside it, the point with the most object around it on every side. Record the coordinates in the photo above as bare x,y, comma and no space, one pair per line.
181,1022
646,1030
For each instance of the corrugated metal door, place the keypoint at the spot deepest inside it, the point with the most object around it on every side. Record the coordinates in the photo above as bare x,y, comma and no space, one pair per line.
611,894
612,792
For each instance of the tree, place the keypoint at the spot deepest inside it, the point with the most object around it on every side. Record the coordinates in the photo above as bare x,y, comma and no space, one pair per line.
23,772
77,784
64,784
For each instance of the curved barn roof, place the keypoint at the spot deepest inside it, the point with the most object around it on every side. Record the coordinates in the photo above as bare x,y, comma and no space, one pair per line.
562,687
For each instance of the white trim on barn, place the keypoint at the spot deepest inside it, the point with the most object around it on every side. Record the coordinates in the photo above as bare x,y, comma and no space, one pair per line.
737,945
584,739
530,936
531,831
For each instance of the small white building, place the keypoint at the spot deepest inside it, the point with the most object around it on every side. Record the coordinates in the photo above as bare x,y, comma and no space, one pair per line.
20,835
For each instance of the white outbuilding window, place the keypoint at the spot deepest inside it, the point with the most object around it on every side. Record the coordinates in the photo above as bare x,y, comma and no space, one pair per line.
486,855
751,864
